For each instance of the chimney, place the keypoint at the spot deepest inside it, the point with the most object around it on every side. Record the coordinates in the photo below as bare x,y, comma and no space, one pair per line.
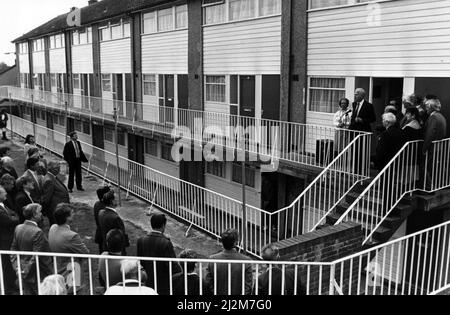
91,2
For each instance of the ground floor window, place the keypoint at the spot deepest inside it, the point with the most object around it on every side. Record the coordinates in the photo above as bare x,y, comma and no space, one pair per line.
151,147
250,175
106,83
216,168
166,152
215,89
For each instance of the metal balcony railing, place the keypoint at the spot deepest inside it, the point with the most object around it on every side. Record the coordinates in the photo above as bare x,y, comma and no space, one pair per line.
269,140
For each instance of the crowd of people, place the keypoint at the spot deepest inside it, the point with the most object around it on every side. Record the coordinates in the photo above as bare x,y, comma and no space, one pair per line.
411,119
39,201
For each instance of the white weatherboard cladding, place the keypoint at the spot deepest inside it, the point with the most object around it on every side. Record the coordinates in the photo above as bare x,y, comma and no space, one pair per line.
165,53
39,62
115,56
248,47
24,63
58,60
82,59
411,39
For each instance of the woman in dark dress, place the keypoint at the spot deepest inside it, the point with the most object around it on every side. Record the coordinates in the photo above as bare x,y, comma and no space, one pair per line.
412,130
99,206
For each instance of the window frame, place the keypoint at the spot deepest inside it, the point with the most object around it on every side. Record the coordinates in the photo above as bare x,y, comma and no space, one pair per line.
212,168
103,79
151,143
145,81
76,77
225,85
237,172
167,146
351,3
310,88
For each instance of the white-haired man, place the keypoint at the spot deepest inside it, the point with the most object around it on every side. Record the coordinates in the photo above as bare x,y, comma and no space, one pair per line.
435,130
390,142
131,285
363,113
7,167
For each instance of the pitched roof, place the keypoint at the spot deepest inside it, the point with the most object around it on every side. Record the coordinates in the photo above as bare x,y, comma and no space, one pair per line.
96,12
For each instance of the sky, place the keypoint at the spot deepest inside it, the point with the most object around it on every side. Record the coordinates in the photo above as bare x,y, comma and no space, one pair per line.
21,16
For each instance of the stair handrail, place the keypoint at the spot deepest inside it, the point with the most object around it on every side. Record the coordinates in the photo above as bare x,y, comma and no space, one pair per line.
376,181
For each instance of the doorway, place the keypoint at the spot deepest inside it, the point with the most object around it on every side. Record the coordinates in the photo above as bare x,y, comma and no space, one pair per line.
136,148
167,97
385,90
70,125
247,99
118,95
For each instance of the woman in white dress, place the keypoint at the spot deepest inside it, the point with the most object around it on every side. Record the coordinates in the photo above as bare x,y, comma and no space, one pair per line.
342,121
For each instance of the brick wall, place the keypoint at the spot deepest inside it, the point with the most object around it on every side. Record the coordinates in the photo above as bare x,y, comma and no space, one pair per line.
326,245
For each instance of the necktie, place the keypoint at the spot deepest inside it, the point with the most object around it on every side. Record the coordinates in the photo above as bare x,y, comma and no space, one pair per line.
77,150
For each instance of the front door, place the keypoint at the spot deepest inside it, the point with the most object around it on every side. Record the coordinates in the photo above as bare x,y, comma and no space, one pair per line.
118,93
136,149
85,90
169,95
70,125
98,138
247,96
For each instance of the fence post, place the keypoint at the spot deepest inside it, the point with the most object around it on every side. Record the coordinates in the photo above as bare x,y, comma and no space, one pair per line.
33,116
10,115
116,126
332,275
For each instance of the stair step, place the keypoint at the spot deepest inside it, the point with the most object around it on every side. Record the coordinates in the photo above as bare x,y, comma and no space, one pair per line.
333,218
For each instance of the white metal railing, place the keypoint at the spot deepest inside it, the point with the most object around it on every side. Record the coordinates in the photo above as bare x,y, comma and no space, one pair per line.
270,139
402,176
213,212
417,264
312,207
388,188
292,278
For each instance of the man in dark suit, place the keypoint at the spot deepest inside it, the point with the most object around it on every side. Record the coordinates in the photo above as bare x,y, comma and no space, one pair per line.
74,156
32,173
220,284
193,280
363,113
28,237
8,222
157,245
54,192
99,206
9,183
109,219
390,142
272,253
23,197
435,130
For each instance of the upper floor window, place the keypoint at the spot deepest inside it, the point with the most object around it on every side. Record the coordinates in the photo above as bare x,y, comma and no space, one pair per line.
57,41
166,19
23,48
215,89
76,81
220,11
106,83
325,93
317,4
38,45
149,84
82,37
115,31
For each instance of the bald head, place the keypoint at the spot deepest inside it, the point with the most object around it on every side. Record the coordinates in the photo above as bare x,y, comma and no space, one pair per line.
360,95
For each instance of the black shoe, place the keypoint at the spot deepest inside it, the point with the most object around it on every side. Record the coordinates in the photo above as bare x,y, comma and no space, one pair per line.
80,189
71,191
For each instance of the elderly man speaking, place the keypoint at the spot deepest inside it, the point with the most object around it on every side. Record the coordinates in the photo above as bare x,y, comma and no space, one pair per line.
54,192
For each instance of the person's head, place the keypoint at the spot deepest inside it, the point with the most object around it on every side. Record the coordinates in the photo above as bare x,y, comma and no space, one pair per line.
130,269
3,194
33,212
389,120
53,285
360,95
109,199
430,97
411,114
63,214
54,168
4,151
102,191
115,241
189,254
30,140
25,183
73,136
41,167
8,182
344,103
270,253
433,105
391,109
32,163
158,222
7,162
230,239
